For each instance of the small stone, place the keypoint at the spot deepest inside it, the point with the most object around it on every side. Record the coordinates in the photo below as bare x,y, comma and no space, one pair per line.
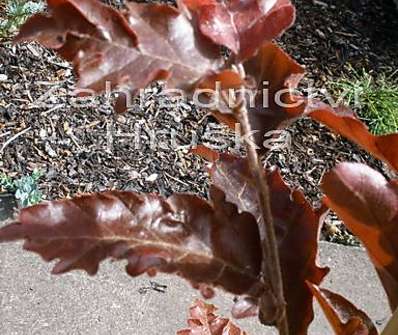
120,119
152,178
133,174
320,33
3,77
43,133
50,151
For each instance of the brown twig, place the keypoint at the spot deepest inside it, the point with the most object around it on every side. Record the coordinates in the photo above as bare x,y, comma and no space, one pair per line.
271,264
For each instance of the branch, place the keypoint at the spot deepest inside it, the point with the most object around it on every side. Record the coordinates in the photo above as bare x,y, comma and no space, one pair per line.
271,262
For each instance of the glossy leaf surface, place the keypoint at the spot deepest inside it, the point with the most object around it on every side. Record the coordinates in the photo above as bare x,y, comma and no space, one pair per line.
209,244
242,25
368,205
107,47
296,224
343,316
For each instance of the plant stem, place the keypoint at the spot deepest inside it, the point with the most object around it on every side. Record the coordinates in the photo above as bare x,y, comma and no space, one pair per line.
270,265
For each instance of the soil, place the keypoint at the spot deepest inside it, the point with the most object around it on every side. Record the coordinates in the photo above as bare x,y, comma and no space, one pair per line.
7,204
87,149
333,38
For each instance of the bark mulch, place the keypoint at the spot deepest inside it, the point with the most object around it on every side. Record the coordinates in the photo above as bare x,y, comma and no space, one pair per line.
86,149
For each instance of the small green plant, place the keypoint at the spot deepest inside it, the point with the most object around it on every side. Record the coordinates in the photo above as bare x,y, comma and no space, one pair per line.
26,189
6,182
16,13
375,99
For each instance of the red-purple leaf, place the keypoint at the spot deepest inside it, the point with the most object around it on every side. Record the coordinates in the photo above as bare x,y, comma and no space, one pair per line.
297,229
242,25
344,122
149,42
204,321
271,75
208,244
343,316
368,205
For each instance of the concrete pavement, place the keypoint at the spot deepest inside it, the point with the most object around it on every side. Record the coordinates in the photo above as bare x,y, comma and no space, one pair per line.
34,302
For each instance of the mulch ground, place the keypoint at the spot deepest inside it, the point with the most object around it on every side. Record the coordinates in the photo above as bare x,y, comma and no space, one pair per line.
87,149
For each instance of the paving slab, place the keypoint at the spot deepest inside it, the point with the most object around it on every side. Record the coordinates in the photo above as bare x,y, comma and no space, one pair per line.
32,301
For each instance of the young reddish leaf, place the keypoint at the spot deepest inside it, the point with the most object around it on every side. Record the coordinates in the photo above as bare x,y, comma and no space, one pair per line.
149,42
342,315
227,79
368,205
344,122
242,25
297,229
279,72
204,321
271,74
207,244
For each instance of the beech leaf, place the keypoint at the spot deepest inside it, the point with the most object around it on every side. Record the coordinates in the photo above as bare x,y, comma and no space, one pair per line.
242,25
208,244
204,321
343,316
297,229
149,42
368,205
